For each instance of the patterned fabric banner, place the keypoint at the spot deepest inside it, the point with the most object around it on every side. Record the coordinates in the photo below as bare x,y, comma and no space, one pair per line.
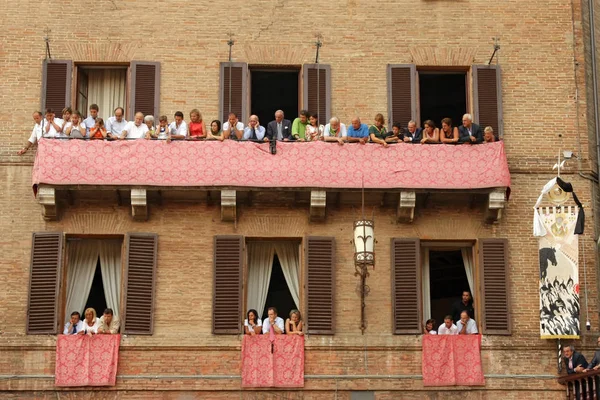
273,362
559,274
450,360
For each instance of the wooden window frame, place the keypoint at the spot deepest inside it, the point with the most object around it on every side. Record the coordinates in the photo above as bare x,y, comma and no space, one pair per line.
99,65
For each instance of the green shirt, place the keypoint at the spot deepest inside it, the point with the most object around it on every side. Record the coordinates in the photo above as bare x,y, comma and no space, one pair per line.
379,134
299,129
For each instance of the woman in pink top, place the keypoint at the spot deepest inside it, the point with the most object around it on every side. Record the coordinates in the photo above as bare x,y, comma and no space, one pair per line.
196,129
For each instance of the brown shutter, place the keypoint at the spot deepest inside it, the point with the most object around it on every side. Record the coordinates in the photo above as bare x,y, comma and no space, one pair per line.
402,94
320,285
140,270
317,90
145,88
238,89
227,284
45,274
495,302
56,85
487,97
406,286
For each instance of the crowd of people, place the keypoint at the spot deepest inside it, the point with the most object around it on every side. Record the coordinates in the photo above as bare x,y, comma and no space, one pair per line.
91,324
253,325
305,128
462,312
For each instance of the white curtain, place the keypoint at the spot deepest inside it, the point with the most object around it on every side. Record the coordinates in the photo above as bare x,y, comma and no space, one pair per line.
110,265
467,256
426,288
83,257
107,89
289,258
260,265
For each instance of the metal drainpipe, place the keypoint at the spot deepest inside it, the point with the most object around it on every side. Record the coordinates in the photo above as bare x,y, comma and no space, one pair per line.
594,79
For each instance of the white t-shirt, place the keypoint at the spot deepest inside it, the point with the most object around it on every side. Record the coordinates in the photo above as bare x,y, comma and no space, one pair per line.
134,131
327,130
37,132
77,131
443,330
266,326
182,129
163,133
115,127
239,126
52,130
93,328
258,324
471,326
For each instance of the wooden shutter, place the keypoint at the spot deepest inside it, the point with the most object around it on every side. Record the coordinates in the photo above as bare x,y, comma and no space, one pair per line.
56,85
406,286
140,271
237,74
495,302
402,94
487,97
145,88
44,281
320,285
227,284
317,90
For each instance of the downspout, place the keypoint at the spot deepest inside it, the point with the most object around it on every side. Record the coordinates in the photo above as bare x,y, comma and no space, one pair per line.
594,78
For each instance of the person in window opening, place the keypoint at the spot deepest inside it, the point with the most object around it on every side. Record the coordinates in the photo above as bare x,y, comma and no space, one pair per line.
98,131
252,324
488,135
90,323
215,131
293,325
75,324
162,130
431,134
469,132
358,132
448,133
299,126
90,121
379,134
233,128
254,131
149,121
178,128
76,128
66,117
280,128
135,129
448,327
196,128
52,125
412,133
273,322
335,131
465,303
429,328
466,325
109,323
116,124
314,131
36,133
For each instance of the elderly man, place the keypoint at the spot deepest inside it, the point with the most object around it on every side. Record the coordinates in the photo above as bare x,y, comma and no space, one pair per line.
36,133
90,121
280,128
413,134
109,324
575,363
254,131
469,132
273,322
136,129
466,325
74,325
358,132
299,126
178,128
335,131
116,124
233,128
448,327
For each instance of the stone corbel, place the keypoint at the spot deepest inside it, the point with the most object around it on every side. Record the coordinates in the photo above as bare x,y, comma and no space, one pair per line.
228,205
47,199
496,203
406,207
139,205
318,200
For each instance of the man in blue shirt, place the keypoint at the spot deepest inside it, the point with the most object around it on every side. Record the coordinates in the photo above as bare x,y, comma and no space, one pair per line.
358,132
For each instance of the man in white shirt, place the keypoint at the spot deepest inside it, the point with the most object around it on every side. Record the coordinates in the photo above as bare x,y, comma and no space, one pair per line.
136,129
52,125
466,325
116,124
335,131
273,322
448,327
178,128
74,325
233,128
90,121
36,133
254,131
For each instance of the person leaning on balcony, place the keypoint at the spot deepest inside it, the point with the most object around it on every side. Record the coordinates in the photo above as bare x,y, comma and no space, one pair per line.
233,128
215,132
273,322
448,327
431,134
178,128
196,128
135,129
429,328
162,130
299,126
98,131
488,135
379,134
109,323
90,121
595,363
252,324
116,124
149,121
75,324
469,132
254,131
75,128
280,128
412,133
466,325
314,131
52,125
36,133
448,133
293,325
575,363
358,132
335,131
90,323
66,117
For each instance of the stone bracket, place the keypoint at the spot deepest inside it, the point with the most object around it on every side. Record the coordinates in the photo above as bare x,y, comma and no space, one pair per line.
318,200
47,198
139,205
228,205
495,205
406,207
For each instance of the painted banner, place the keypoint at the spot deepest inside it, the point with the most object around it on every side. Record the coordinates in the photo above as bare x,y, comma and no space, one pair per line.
559,274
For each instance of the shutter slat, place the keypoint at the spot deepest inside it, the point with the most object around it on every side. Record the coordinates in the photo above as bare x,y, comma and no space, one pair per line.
227,284
401,94
46,266
488,99
57,85
320,285
493,259
406,286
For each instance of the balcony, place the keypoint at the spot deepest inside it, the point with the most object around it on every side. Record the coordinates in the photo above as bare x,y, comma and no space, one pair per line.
142,172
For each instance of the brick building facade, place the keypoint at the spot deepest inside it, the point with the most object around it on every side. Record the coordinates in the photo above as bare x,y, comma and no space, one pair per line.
541,108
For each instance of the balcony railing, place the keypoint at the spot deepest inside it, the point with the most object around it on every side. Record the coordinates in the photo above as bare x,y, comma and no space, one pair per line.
582,386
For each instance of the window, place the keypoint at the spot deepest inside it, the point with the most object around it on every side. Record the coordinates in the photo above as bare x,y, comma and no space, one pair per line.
104,85
273,89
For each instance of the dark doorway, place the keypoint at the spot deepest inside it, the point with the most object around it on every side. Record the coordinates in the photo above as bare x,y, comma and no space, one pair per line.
279,295
273,90
96,298
443,95
447,279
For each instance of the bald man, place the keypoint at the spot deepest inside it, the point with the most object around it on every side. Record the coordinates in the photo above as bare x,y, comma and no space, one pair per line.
254,131
136,129
358,132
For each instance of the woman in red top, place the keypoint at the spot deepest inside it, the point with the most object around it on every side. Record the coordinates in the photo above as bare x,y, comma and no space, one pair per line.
196,129
98,131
